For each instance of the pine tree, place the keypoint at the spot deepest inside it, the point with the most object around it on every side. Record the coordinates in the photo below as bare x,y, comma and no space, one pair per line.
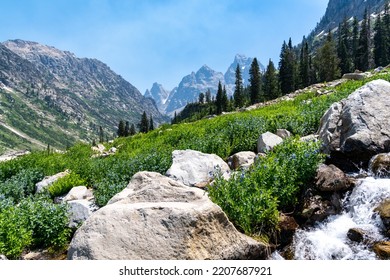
174,120
386,23
255,82
271,83
132,130
225,100
363,49
304,66
121,129
344,48
239,90
101,134
127,129
201,98
287,66
218,99
355,41
151,124
327,62
382,40
208,96
144,124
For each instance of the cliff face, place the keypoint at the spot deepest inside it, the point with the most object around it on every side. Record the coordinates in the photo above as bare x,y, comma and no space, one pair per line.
337,10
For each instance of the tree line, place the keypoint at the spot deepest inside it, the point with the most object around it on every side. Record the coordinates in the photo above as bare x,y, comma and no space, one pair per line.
355,46
126,129
145,125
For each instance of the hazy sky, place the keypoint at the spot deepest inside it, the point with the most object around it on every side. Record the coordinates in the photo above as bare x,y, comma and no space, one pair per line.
161,41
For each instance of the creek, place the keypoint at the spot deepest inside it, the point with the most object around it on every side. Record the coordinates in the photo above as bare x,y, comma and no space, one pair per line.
328,240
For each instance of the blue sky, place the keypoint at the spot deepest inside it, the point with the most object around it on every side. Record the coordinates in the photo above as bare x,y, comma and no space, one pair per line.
148,41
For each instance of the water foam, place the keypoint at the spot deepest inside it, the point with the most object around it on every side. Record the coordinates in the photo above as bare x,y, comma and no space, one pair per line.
328,240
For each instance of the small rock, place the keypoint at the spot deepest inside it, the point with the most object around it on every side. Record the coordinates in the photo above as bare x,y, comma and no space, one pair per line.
112,150
283,133
356,234
3,258
48,181
384,212
331,179
309,138
379,69
355,76
99,148
241,160
77,193
79,211
317,208
193,167
267,141
287,226
379,165
382,249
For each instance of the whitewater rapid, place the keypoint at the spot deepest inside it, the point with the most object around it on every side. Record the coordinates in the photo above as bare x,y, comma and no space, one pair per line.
328,240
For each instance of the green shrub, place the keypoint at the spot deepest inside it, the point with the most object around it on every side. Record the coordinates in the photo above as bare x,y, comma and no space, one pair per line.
252,198
65,184
15,235
47,221
21,184
105,190
35,222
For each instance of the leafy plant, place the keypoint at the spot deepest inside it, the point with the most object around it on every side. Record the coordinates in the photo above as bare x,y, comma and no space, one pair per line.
15,235
47,221
65,184
21,184
251,199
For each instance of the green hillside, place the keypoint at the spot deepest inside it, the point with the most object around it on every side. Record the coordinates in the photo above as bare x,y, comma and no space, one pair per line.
291,167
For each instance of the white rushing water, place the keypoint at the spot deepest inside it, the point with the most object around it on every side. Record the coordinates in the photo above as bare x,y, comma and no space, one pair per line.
329,240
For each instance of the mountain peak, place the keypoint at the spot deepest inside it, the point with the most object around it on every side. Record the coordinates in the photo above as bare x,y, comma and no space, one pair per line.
159,94
240,57
205,68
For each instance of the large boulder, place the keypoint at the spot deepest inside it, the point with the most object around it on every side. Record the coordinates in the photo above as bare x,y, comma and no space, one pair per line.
329,178
241,160
194,168
267,141
357,126
157,217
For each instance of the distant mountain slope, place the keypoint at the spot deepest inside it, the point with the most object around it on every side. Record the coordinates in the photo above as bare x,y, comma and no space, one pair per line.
204,79
337,10
159,94
193,84
55,97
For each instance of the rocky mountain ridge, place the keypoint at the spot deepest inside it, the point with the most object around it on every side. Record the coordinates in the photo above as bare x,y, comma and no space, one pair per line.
201,81
337,10
65,98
